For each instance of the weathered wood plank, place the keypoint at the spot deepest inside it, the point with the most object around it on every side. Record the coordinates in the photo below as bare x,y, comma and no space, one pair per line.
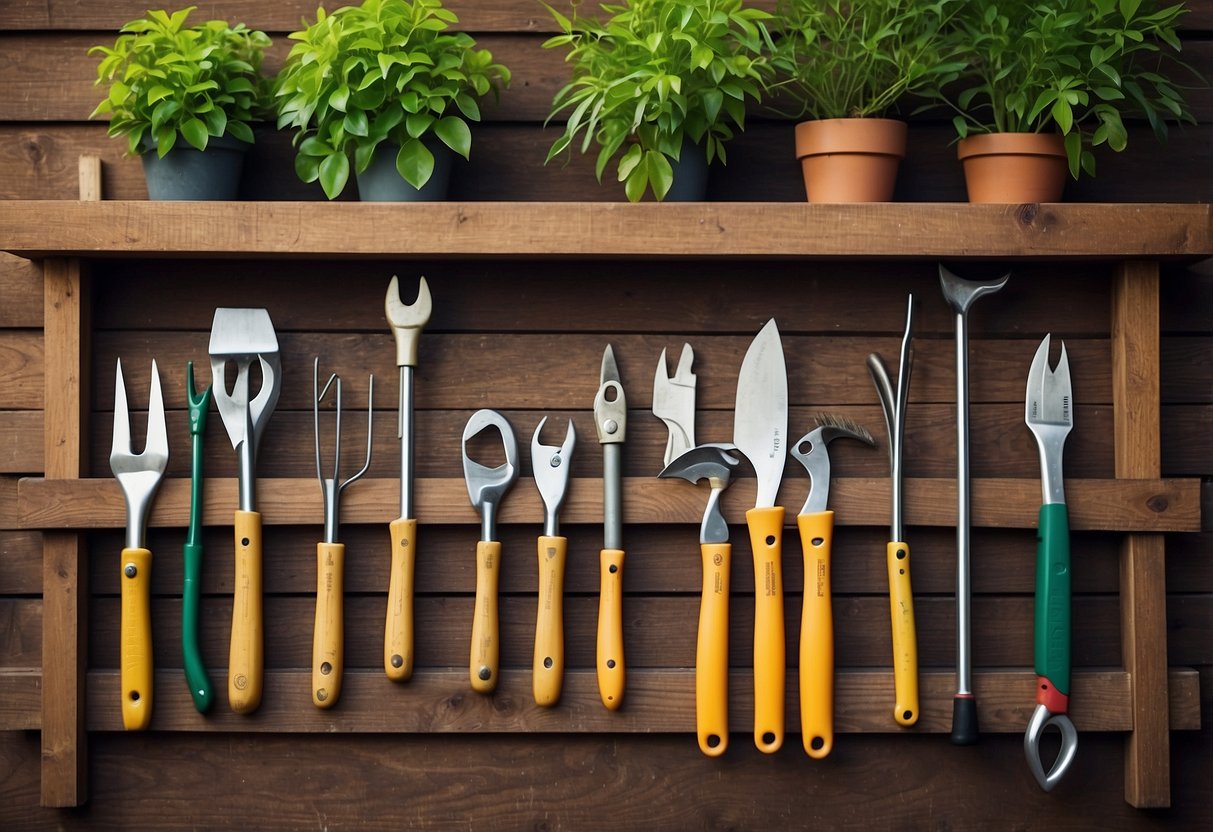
21,627
20,442
21,288
21,369
20,699
9,517
873,231
1126,505
661,701
21,556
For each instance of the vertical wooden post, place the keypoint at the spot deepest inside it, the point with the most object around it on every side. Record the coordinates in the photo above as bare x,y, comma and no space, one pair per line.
1143,592
64,558
90,178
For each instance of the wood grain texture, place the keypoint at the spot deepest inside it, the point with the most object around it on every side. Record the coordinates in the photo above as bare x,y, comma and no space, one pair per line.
872,231
1137,505
21,554
21,699
21,288
22,357
20,442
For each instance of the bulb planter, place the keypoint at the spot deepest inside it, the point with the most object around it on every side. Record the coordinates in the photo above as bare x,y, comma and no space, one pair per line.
850,159
382,182
1014,168
186,173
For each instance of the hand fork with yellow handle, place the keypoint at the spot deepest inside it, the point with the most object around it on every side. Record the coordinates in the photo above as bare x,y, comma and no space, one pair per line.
407,321
897,553
329,633
139,476
816,524
550,465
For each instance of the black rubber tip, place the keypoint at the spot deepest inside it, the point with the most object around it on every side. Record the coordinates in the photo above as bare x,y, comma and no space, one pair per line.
964,721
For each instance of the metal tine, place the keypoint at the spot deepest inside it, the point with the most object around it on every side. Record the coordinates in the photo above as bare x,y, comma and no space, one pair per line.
335,380
154,456
122,417
1049,402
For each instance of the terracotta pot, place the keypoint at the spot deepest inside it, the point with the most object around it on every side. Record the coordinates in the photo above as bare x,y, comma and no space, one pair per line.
850,159
1014,168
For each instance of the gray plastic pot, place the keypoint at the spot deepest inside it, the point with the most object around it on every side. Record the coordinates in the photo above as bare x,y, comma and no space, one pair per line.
187,173
690,175
381,182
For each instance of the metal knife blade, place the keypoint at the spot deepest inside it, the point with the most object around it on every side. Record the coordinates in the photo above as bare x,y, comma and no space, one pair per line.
760,423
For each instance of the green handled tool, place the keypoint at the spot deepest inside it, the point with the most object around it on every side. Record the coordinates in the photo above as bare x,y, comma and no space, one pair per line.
195,670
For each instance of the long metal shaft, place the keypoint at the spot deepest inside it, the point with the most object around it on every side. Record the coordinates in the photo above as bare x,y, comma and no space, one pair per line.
612,512
247,456
964,655
404,430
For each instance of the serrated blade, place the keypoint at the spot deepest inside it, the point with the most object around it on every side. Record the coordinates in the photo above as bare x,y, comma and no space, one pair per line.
760,423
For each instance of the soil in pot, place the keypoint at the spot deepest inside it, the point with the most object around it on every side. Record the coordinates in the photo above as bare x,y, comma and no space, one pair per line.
381,182
1014,168
188,173
850,159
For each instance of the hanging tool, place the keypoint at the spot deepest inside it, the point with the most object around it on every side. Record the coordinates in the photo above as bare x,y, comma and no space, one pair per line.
138,476
407,321
816,525
195,671
328,634
760,431
674,403
611,419
551,466
961,294
486,486
715,464
242,336
1049,414
897,555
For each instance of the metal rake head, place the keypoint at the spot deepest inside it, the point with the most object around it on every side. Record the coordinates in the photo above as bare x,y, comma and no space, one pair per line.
1048,404
138,474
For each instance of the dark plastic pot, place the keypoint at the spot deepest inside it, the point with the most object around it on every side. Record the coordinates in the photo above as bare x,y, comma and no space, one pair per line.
381,182
690,175
187,173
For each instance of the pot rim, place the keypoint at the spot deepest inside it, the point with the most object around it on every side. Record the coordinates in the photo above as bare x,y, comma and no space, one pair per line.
867,136
1011,144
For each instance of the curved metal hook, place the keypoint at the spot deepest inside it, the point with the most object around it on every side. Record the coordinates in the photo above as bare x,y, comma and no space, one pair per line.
1042,718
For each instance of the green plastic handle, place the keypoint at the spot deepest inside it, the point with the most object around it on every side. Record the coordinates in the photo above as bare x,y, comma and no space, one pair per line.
195,670
1053,596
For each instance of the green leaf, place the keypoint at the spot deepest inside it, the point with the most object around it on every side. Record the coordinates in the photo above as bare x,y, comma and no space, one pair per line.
307,168
355,123
636,182
158,93
415,124
241,131
194,131
633,157
455,134
415,163
339,98
216,121
334,173
661,174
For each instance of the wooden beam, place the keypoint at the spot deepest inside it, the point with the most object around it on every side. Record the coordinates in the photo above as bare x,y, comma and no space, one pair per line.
1143,593
64,564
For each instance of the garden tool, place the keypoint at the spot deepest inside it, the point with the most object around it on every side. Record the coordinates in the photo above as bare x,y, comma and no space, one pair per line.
1049,415
242,336
551,466
897,554
816,525
407,322
715,464
611,419
486,487
961,294
139,476
329,632
674,403
760,431
195,671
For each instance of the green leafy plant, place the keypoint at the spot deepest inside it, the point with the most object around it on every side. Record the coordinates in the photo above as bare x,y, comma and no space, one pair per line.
385,71
1074,66
654,73
168,80
858,58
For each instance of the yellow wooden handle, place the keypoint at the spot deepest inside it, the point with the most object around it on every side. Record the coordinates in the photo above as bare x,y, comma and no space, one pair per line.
246,659
610,628
817,636
905,641
136,642
485,638
398,632
547,673
770,674
712,651
329,633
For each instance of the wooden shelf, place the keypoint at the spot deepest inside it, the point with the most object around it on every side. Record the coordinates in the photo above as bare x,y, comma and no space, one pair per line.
650,230
1171,505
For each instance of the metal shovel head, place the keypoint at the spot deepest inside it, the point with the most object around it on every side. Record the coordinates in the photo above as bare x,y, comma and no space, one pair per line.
242,336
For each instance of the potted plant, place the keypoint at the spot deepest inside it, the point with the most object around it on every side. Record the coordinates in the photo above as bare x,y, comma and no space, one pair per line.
1044,83
189,94
846,64
388,83
660,82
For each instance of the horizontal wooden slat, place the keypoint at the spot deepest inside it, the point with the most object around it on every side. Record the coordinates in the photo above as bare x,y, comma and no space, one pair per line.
21,288
655,701
20,442
1125,505
21,556
21,357
873,231
20,633
20,699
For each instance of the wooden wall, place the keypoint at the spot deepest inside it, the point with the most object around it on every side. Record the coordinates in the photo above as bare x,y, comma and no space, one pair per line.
548,322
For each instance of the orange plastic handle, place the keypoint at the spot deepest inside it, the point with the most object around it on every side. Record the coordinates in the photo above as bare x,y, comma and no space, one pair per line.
770,673
712,651
905,641
610,628
136,642
817,636
547,670
398,631
486,644
246,660
329,633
